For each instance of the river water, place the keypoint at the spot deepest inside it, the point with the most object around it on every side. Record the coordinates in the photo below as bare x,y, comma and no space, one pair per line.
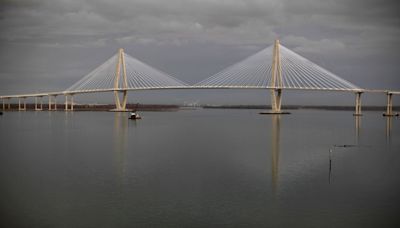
199,168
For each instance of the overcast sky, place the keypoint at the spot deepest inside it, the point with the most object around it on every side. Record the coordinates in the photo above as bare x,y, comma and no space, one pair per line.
47,45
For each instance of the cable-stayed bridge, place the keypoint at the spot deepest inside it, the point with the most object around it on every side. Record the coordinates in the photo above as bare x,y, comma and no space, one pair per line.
275,68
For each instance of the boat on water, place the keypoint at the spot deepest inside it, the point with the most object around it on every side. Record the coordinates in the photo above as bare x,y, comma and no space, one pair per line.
1,113
135,116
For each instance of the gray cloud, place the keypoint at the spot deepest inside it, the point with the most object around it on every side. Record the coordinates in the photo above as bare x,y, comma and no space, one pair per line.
63,40
235,21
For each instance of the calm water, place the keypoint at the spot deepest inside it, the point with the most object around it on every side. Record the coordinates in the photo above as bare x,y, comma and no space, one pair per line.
199,168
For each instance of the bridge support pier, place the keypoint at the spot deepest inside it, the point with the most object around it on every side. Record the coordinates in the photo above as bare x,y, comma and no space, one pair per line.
121,106
276,100
72,102
276,103
19,104
69,107
51,102
37,107
124,99
358,104
55,103
389,106
8,104
4,104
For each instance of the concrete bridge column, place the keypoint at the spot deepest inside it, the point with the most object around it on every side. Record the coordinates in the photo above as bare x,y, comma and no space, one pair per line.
51,98
69,107
55,103
358,104
276,100
66,102
50,103
37,104
276,103
19,104
9,103
120,106
4,104
389,106
117,102
124,100
72,102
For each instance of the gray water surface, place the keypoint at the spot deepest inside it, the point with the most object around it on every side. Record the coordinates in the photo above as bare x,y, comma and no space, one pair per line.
199,168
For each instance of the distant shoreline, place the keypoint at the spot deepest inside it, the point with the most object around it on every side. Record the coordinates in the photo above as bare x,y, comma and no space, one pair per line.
294,107
162,107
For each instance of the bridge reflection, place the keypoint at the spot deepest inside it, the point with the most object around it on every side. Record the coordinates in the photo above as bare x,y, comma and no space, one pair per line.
275,151
120,145
357,121
388,129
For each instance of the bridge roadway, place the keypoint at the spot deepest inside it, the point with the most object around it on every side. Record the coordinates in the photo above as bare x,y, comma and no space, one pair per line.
69,105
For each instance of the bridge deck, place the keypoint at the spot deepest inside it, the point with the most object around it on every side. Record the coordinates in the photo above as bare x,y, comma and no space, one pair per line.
193,87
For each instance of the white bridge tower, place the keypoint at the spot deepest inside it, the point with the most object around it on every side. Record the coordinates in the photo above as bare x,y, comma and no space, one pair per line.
120,106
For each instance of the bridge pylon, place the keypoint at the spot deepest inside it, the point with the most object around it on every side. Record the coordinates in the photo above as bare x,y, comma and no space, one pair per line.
389,106
276,83
120,106
358,104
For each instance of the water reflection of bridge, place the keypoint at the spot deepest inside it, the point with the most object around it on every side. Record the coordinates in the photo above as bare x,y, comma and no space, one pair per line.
121,145
275,142
275,150
275,68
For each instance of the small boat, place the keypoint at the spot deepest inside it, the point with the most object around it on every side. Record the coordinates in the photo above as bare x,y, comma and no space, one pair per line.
135,116
1,113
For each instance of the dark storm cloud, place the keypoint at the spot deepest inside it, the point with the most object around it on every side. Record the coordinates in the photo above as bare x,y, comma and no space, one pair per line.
356,39
236,21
